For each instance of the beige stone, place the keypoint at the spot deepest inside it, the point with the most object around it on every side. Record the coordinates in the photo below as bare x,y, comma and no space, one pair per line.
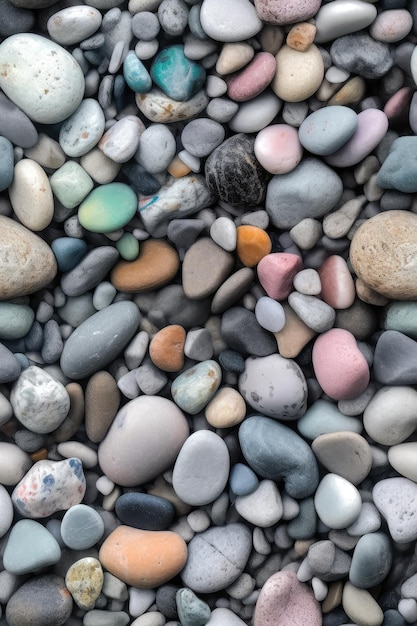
84,581
294,336
74,419
31,195
351,92
102,399
361,607
299,74
226,409
233,56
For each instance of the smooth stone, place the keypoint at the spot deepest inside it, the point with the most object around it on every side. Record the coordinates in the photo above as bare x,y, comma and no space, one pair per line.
15,320
128,247
217,557
344,18
172,306
45,100
98,340
15,125
233,57
156,148
72,25
97,617
262,507
242,480
191,610
242,332
101,169
83,129
201,136
328,129
6,163
278,148
397,172
143,558
248,117
31,195
253,79
238,23
160,108
284,599
71,184
274,386
401,458
391,25
102,399
68,252
16,19
234,174
108,208
223,232
178,77
394,359
278,13
340,368
270,314
166,348
307,282
164,207
337,286
39,401
361,54
156,265
47,152
152,445
337,502
84,581
204,454
48,487
344,453
369,521
193,389
199,345
205,267
10,366
222,616
42,600
276,452
371,560
81,527
396,499
135,73
400,316
145,511
232,289
327,561
315,313
120,142
382,419
276,272
298,74
30,547
6,511
312,189
360,606
14,463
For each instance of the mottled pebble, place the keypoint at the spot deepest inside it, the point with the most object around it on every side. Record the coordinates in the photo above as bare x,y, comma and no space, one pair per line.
194,388
42,600
83,129
84,581
395,498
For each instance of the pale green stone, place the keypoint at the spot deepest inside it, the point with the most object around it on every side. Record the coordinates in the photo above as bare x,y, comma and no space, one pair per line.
71,184
128,247
30,547
15,320
108,208
195,387
402,316
324,417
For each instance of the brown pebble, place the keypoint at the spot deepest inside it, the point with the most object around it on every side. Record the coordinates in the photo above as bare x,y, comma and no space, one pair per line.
368,295
75,416
294,336
155,266
205,267
167,348
102,399
39,455
301,36
352,92
333,598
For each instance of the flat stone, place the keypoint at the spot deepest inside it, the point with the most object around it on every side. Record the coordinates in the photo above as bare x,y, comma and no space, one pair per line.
400,316
172,306
194,388
371,560
262,507
253,79
41,600
145,511
337,501
232,289
344,453
29,548
383,419
90,271
81,527
205,267
84,581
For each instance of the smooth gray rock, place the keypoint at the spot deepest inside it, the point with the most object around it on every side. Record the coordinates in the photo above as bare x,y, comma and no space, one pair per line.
362,55
90,271
395,359
371,560
242,332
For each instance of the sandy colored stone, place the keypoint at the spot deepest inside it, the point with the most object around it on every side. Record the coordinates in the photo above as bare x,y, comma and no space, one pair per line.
368,295
352,92
84,580
155,266
383,252
294,336
252,244
226,409
344,453
167,348
102,399
333,598
27,263
178,168
205,267
361,607
143,558
299,74
301,36
73,421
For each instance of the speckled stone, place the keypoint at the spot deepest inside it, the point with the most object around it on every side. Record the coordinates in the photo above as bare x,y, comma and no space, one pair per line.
41,600
194,388
83,129
179,77
192,611
84,581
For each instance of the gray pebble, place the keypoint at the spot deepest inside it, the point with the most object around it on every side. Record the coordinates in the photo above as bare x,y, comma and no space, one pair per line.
294,113
194,21
76,310
156,149
150,379
242,332
201,136
222,109
315,313
197,49
362,55
91,270
145,25
128,385
29,441
172,306
97,617
15,125
9,365
198,345
173,16
327,561
184,232
52,342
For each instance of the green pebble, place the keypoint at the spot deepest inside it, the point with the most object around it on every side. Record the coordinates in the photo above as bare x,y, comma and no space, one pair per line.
191,610
108,208
402,316
324,417
70,184
15,320
128,247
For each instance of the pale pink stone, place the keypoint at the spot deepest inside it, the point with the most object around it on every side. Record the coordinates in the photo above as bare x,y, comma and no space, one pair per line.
399,103
253,79
276,272
285,601
337,286
278,148
284,12
391,25
340,368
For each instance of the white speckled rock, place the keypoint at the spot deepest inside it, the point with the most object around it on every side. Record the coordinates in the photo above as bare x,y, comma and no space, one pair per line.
40,402
337,502
396,499
158,107
83,129
121,141
31,195
29,65
73,24
262,507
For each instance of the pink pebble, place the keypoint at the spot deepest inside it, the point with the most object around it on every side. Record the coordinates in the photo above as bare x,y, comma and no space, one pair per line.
278,148
285,601
253,79
276,272
371,128
392,25
340,367
337,286
399,103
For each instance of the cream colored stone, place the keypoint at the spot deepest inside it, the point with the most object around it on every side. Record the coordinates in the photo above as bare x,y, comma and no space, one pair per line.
31,195
101,169
226,409
84,581
233,56
299,74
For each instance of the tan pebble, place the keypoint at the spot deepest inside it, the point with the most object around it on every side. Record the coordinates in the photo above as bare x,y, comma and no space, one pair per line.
161,488
326,91
84,580
47,152
75,416
294,336
368,295
360,606
344,453
39,455
333,598
301,546
301,36
143,558
271,38
102,399
156,265
177,168
226,409
31,195
101,169
299,74
352,92
167,348
233,56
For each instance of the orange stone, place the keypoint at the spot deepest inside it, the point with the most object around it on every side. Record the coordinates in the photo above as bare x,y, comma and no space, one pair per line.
155,266
253,244
301,36
177,168
143,558
167,348
294,336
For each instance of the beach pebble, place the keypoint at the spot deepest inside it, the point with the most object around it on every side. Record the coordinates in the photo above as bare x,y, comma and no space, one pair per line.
30,547
194,388
121,141
40,57
328,129
232,289
6,511
278,149
84,581
371,560
391,25
90,271
395,365
145,511
156,265
368,521
395,498
16,125
81,527
360,606
166,348
344,453
343,18
253,78
156,148
324,417
379,413
238,23
298,74
337,286
263,506
6,163
31,187
43,599
73,24
270,314
157,107
307,282
83,129
315,313
243,480
276,272
217,557
177,76
71,184
143,558
248,117
337,502
15,322
191,609
241,331
275,12
223,232
14,463
227,408
327,561
361,54
233,57
401,459
205,267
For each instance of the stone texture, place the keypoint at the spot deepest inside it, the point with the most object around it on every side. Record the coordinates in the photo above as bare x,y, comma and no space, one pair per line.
205,267
41,600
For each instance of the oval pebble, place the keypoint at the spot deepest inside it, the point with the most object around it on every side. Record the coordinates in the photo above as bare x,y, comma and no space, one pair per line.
343,18
44,599
108,208
238,23
84,580
83,129
326,130
337,502
391,25
81,527
371,560
263,506
145,511
278,149
253,79
31,195
299,74
30,547
73,24
384,421
194,388
6,511
14,463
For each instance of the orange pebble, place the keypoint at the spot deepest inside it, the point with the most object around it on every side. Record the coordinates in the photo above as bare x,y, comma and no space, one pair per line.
167,348
253,244
178,168
301,36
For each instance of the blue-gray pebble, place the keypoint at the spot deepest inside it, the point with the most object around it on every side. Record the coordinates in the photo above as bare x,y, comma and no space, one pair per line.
395,359
304,525
328,129
371,560
81,527
242,480
145,511
399,170
42,600
6,163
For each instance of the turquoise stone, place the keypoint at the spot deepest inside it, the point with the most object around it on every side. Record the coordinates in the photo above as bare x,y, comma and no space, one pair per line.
324,417
108,208
178,77
135,74
193,389
15,320
128,247
68,252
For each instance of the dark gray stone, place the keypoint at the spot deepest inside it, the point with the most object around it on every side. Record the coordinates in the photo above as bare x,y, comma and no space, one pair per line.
90,271
371,560
359,319
395,359
15,125
9,365
43,600
304,525
6,162
242,332
184,232
360,54
52,342
327,561
142,510
172,306
166,601
232,361
15,19
29,441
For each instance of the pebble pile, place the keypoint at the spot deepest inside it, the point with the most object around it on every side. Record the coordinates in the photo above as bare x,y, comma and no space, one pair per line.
208,313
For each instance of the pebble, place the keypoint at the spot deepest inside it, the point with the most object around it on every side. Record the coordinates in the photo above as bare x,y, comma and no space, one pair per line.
243,480
298,74
15,322
262,507
201,136
157,107
361,54
6,511
371,560
326,130
347,454
14,463
391,25
30,547
71,184
337,502
73,24
253,79
205,267
7,163
178,77
83,129
84,581
90,271
337,286
242,117
315,313
369,521
270,314
276,13
222,615
345,18
81,527
232,289
242,332
194,388
378,415
144,511
107,208
43,599
394,498
192,611
276,272
395,367
278,149
226,409
238,23
143,558
361,606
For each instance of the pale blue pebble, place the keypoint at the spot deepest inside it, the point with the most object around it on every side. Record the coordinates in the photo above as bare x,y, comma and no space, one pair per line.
371,560
194,388
178,77
243,480
135,74
30,547
128,247
328,129
6,163
22,360
103,295
83,129
192,611
402,316
324,417
270,314
82,527
68,252
15,320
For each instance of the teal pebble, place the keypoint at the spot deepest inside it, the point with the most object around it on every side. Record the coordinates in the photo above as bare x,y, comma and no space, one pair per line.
193,389
328,129
191,610
402,316
82,527
178,77
304,525
371,560
243,480
29,548
6,163
128,247
399,170
324,417
15,320
68,252
108,208
135,74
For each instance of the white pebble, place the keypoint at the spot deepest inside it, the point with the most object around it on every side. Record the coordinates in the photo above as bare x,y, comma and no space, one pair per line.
307,282
320,588
270,314
223,232
87,455
140,600
104,485
408,609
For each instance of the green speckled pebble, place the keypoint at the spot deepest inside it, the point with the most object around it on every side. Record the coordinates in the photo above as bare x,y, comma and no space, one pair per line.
195,387
15,320
128,247
108,208
71,184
